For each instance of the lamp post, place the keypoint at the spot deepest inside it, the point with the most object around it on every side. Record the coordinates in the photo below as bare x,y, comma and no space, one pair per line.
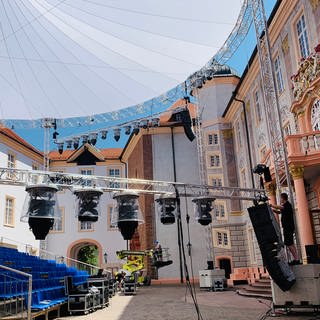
234,95
105,257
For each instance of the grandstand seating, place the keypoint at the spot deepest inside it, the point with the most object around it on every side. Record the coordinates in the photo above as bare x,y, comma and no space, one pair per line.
48,287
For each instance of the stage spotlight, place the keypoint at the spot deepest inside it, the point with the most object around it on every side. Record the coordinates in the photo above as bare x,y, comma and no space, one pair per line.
69,144
126,214
208,74
155,122
104,134
127,130
116,134
41,209
88,203
202,209
259,169
85,138
60,147
135,129
93,138
167,208
198,83
76,141
144,124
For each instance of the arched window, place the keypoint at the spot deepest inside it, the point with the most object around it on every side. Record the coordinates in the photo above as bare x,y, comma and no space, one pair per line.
315,116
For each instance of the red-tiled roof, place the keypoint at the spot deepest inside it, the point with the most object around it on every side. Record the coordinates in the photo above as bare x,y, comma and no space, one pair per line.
13,136
109,153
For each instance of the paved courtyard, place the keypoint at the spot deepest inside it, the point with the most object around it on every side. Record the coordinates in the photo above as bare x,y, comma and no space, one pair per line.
171,302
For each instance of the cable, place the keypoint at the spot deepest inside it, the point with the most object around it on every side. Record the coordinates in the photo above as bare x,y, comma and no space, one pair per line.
140,29
31,21
84,64
56,77
28,63
15,75
187,277
94,40
157,15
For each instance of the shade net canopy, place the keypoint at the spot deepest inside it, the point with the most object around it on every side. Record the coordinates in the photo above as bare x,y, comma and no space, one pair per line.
102,59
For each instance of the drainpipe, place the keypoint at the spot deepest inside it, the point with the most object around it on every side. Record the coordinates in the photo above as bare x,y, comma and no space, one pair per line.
247,135
179,216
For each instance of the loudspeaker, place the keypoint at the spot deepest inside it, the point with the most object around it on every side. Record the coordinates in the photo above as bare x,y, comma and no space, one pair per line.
272,249
313,253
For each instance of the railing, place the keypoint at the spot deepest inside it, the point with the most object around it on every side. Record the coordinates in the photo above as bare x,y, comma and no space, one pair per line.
303,144
12,293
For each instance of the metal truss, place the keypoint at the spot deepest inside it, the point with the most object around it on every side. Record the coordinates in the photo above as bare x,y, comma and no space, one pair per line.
115,184
270,97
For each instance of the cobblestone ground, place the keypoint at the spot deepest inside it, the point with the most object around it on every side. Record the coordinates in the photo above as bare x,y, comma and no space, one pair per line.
171,302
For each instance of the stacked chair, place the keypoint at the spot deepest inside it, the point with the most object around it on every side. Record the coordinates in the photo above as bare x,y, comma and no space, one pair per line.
48,279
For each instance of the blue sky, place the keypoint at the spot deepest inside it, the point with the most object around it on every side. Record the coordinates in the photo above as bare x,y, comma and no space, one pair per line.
85,57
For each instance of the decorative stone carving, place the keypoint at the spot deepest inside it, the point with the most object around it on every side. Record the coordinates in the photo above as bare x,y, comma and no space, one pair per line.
227,133
314,4
285,45
271,189
309,70
296,172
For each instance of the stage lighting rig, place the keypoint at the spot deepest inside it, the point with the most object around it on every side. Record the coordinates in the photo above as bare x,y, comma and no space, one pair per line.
127,130
85,138
60,147
41,209
104,134
76,141
93,138
126,214
167,208
202,209
116,133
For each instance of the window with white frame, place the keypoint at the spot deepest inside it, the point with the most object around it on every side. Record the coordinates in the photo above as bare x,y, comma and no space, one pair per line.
315,116
221,238
278,71
11,164
87,172
9,212
214,160
219,209
239,133
258,106
114,172
216,181
58,224
213,139
303,36
86,226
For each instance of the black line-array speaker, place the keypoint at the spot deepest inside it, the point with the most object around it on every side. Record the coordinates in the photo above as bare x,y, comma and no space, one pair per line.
271,245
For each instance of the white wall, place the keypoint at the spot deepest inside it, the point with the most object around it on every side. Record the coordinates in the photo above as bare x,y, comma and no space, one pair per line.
19,234
187,171
110,240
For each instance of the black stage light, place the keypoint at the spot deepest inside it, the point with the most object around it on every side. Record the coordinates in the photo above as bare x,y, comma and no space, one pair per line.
55,135
127,130
85,138
167,207
202,209
41,209
104,134
76,143
69,144
93,138
60,147
126,215
88,203
135,129
259,169
155,122
144,123
116,134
